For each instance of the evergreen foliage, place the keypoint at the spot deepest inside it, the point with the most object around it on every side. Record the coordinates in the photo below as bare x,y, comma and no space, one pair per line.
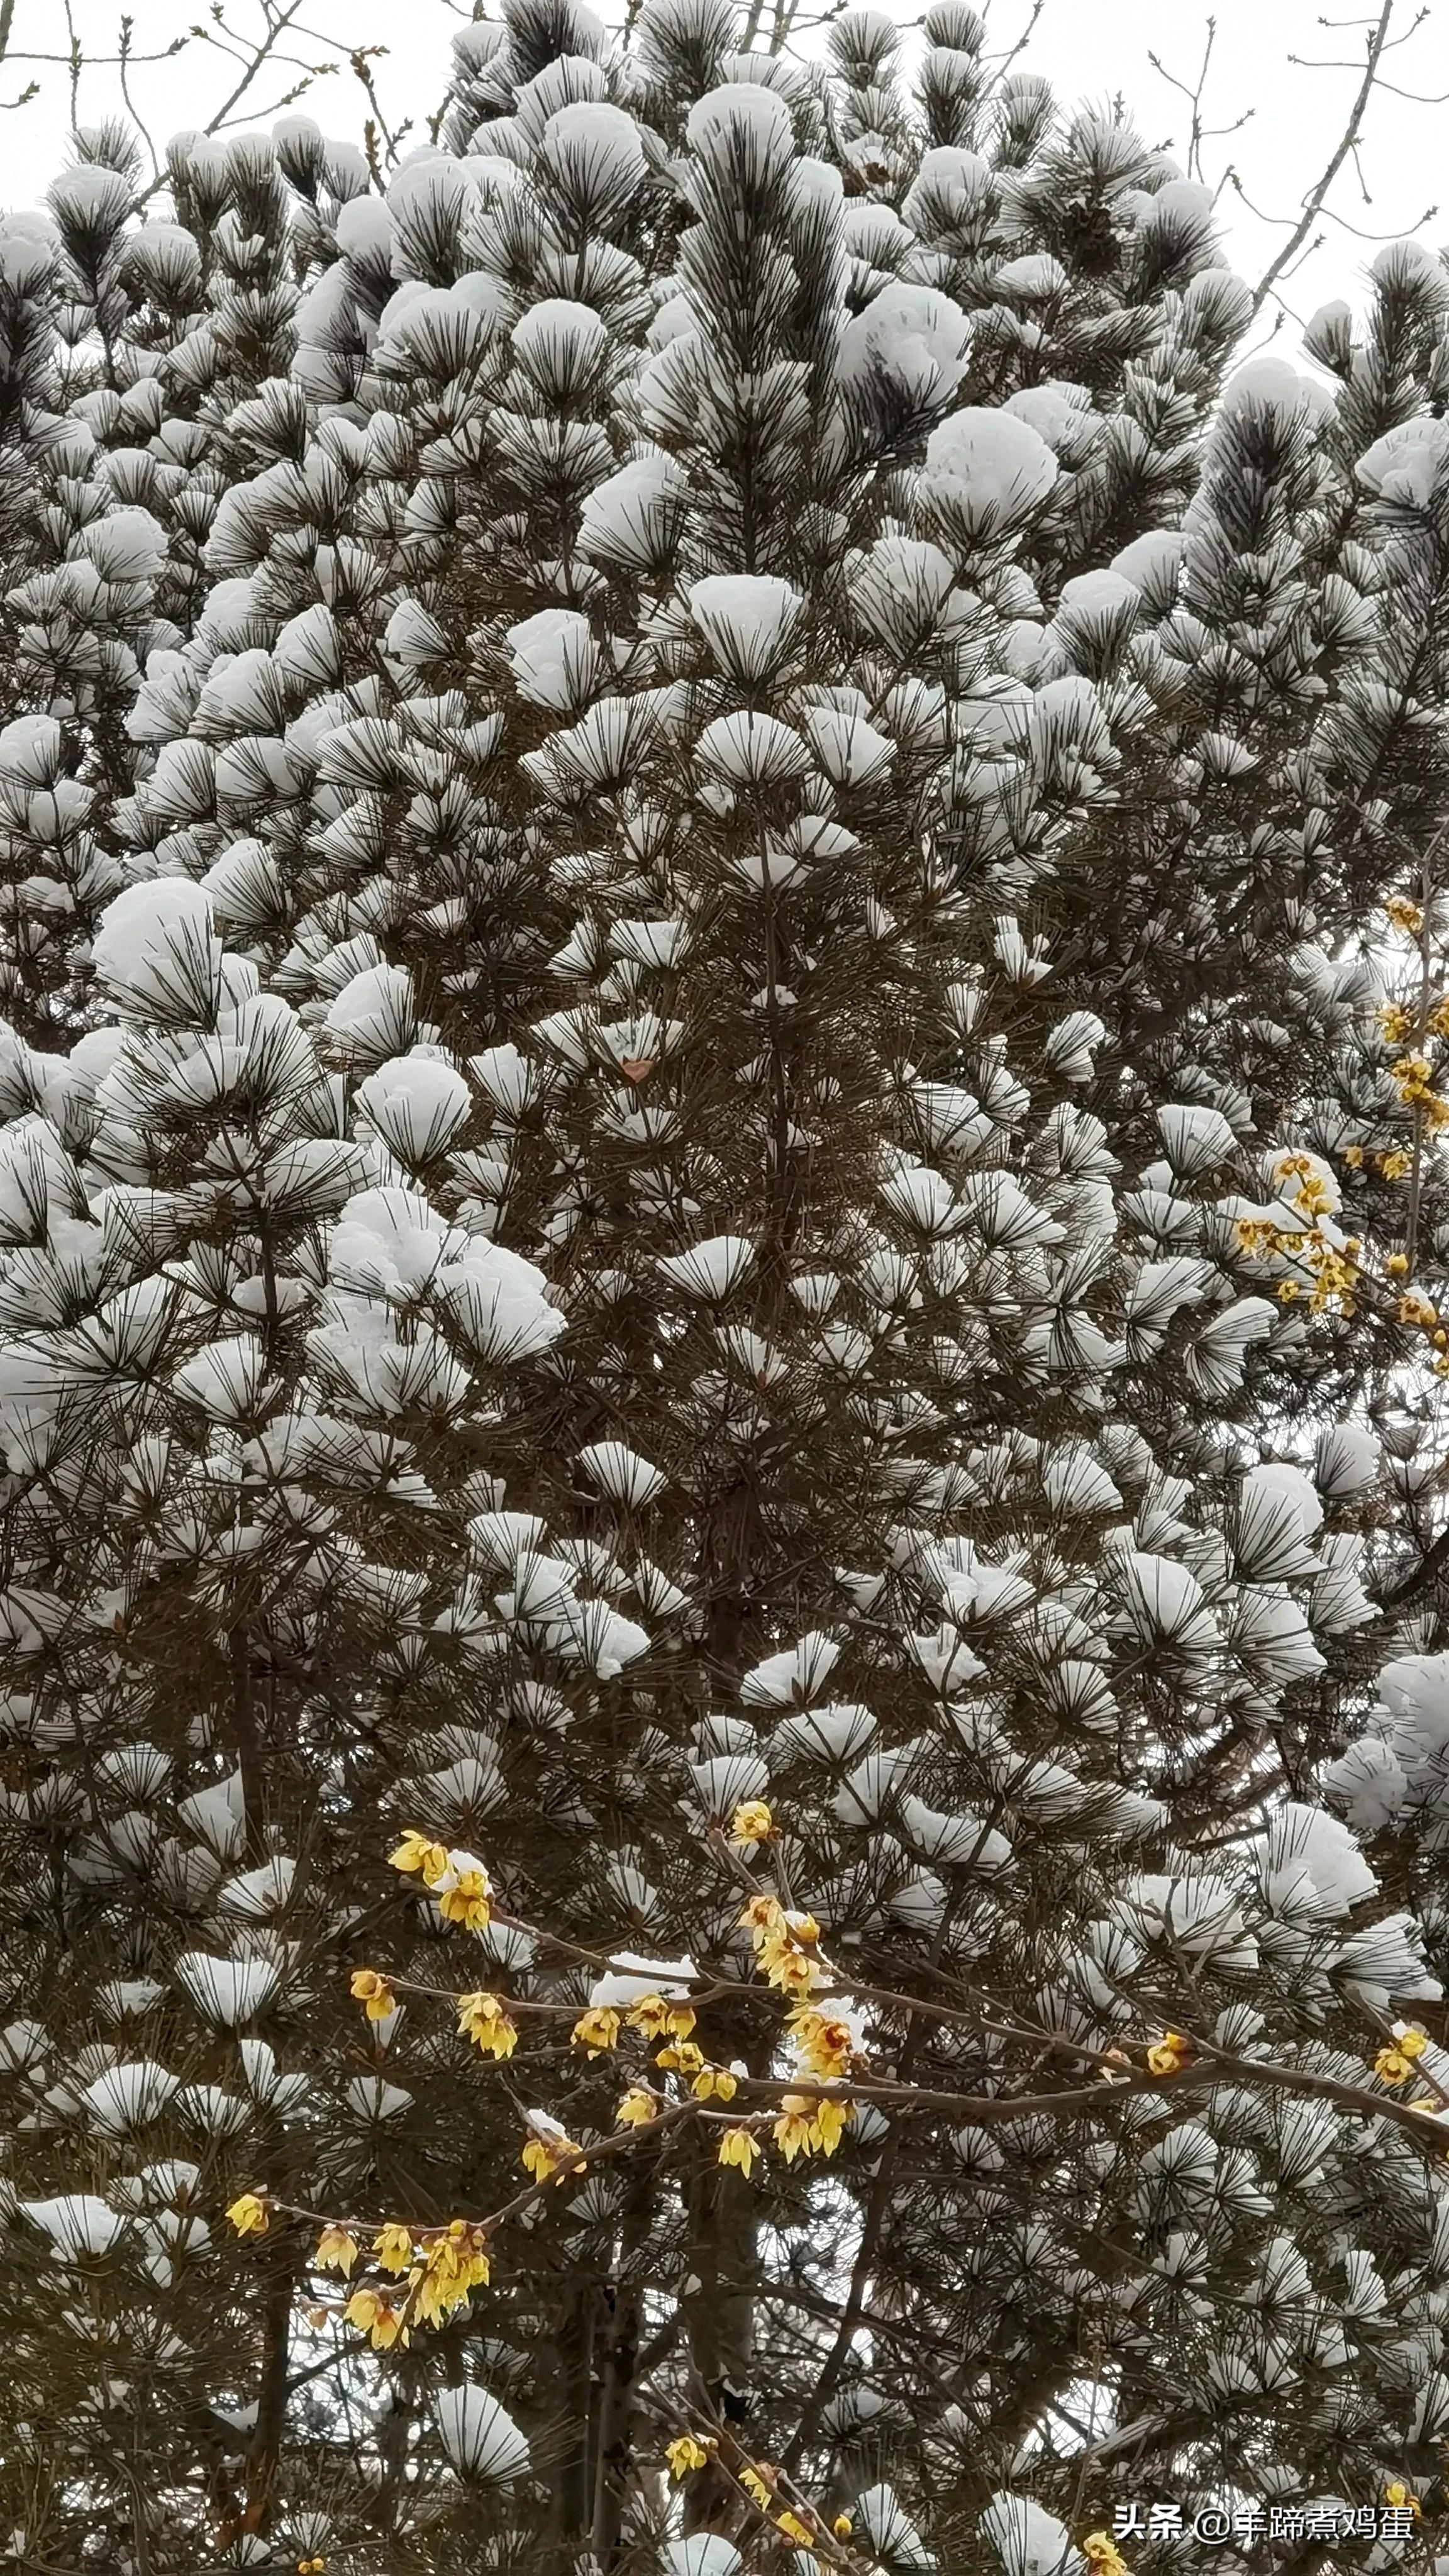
723,966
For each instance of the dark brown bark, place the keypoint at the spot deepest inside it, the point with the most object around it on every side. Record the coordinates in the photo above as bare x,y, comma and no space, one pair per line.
271,2423
617,2377
720,2317
569,2482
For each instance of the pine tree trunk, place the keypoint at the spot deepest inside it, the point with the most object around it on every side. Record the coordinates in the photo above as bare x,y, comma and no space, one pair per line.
569,2477
720,2315
617,2379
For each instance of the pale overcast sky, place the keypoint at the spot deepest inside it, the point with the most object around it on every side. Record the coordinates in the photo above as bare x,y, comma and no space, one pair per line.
1087,48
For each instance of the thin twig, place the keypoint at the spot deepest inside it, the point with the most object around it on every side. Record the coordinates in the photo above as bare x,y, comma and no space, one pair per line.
1012,51
1314,201
7,23
1198,133
278,26
75,66
132,110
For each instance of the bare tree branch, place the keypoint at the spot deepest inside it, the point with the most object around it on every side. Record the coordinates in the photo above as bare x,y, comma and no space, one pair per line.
1314,201
132,110
1198,132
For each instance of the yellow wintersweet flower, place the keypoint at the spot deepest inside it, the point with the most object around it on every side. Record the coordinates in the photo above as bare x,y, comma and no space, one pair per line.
825,2042
1102,2555
1404,914
637,2109
433,2300
757,2486
794,2529
1393,1166
809,2128
787,1953
795,2130
250,2215
1397,2493
715,2084
1415,1308
842,2526
1353,1157
393,2247
830,2124
596,2030
548,2152
466,1896
763,1913
686,2453
368,1988
752,1822
659,2018
1414,1076
1169,2054
681,2057
377,2318
483,2018
455,2263
425,1859
1395,2061
740,2147
336,2251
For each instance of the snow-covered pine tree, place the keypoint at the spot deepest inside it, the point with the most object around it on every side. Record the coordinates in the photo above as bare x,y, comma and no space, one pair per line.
724,942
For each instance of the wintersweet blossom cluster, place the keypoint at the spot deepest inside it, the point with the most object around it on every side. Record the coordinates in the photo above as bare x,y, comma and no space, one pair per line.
767,2491
823,2036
